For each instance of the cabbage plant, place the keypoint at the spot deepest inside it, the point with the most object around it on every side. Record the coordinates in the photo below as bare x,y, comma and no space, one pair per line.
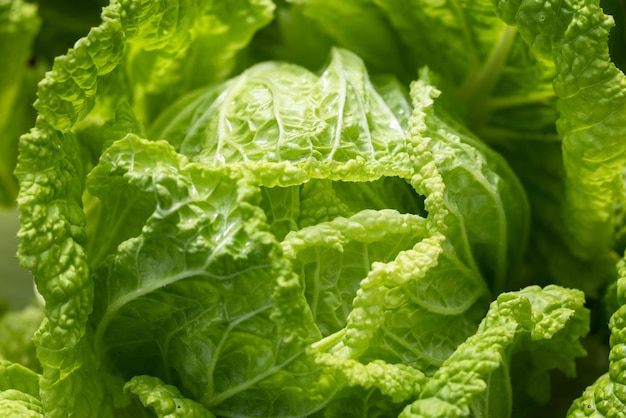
311,208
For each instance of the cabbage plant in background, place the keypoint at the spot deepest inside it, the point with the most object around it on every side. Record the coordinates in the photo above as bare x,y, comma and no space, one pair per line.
19,24
319,208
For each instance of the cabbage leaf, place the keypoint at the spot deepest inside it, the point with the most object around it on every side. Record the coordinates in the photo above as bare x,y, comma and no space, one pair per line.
310,208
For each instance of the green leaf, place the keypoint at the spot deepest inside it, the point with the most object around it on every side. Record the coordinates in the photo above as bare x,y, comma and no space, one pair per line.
52,170
16,376
592,112
488,217
19,391
285,241
606,397
189,44
333,257
15,404
121,212
474,380
162,38
427,29
52,228
165,400
201,309
336,116
225,205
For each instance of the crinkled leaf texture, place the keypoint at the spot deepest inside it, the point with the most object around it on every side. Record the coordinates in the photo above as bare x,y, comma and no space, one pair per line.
84,89
591,94
279,243
293,256
607,396
222,307
474,380
495,83
19,391
165,400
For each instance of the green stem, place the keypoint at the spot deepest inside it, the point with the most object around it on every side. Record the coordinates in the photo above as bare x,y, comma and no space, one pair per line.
479,86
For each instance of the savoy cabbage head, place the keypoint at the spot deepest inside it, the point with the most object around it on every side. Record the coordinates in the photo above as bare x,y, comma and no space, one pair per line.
364,208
